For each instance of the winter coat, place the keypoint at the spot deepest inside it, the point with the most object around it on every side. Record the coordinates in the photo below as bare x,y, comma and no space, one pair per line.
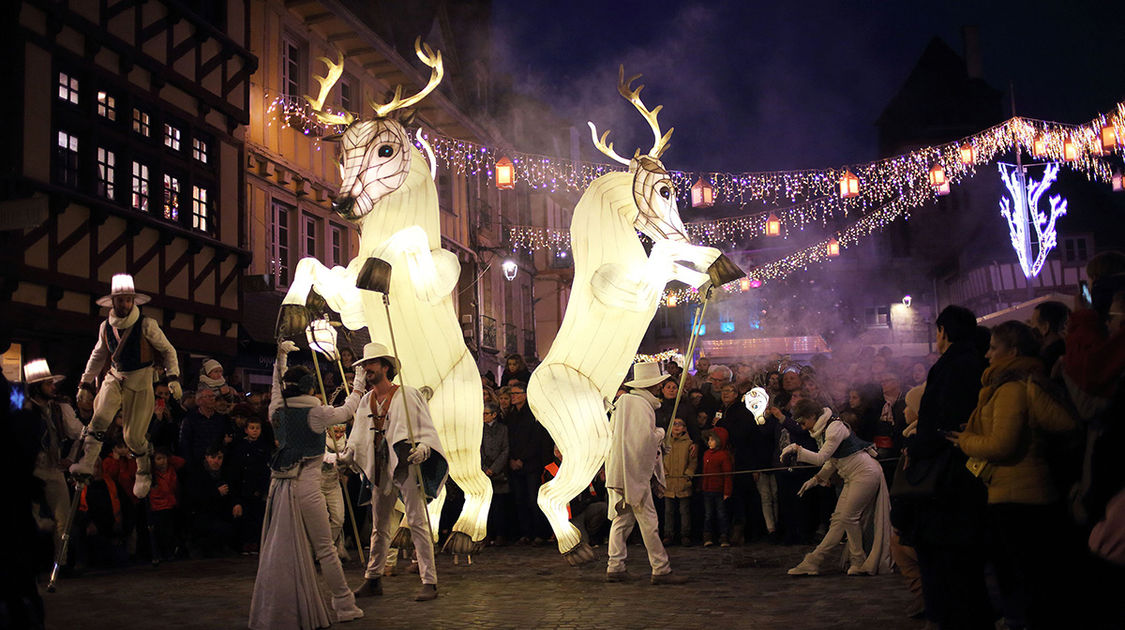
1008,430
249,465
528,441
739,424
494,455
166,485
951,395
122,471
678,466
718,460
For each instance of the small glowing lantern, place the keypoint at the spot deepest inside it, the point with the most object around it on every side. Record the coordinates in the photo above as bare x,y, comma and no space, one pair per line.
671,301
938,180
849,185
1118,184
505,174
510,269
968,154
702,194
744,284
1070,152
773,225
1039,146
755,283
322,337
833,248
1108,138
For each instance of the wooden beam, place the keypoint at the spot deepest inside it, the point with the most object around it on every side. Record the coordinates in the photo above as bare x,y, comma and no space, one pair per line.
339,37
362,50
317,18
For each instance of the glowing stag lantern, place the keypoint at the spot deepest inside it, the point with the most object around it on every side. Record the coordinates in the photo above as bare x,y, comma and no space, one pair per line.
387,189
615,293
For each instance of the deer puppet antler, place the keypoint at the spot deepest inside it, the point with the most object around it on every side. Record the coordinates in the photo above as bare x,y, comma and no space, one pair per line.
431,59
634,97
335,70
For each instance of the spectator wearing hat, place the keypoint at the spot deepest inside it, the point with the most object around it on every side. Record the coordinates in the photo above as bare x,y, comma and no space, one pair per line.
125,352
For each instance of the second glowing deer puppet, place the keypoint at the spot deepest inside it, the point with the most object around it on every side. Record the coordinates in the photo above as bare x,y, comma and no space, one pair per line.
614,297
387,189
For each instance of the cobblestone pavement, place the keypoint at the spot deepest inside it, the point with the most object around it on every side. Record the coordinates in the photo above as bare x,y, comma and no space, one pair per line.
510,587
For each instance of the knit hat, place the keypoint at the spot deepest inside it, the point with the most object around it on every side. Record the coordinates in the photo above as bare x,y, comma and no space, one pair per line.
210,364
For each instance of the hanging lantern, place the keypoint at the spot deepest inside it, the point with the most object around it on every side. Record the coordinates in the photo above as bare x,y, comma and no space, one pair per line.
968,153
1070,151
773,225
702,194
510,269
1118,185
744,284
505,174
849,185
833,248
1108,138
671,300
1039,146
322,338
938,180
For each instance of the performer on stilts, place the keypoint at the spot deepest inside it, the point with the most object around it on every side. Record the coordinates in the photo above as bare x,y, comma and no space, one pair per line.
127,346
393,441
60,425
296,528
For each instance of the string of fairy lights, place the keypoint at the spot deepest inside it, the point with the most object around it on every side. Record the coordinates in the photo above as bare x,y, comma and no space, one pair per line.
874,193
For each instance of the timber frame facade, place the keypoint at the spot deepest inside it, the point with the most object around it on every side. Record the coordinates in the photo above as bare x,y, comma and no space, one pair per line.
125,155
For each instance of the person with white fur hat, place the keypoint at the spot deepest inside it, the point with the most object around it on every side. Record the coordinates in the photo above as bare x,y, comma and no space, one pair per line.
635,457
59,424
128,345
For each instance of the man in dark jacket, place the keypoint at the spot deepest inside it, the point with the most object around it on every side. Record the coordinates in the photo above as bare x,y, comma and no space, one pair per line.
494,461
201,429
529,450
211,504
948,529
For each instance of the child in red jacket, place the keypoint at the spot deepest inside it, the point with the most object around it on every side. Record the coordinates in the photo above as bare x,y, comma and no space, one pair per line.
162,497
717,485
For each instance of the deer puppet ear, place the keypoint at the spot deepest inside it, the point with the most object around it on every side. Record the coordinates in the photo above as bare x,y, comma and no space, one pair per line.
405,117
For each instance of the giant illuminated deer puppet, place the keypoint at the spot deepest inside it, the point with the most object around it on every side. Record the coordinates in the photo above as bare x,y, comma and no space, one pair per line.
387,189
614,297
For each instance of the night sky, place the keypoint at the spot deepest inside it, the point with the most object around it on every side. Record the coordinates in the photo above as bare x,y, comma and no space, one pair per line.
768,86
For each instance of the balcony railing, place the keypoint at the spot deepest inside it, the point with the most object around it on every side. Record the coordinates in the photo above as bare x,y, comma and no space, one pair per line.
511,339
488,332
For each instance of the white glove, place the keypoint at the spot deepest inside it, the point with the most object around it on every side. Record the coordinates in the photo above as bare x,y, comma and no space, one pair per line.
287,346
331,458
418,454
360,382
811,483
792,449
346,458
85,399
176,389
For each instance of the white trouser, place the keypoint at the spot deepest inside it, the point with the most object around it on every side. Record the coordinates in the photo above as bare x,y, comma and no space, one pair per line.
382,527
131,392
767,490
57,496
334,498
643,514
862,480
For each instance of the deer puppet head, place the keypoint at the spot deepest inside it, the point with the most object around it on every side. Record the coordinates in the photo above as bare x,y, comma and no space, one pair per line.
375,154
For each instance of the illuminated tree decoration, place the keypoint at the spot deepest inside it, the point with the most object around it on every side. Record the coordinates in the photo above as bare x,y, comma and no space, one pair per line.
849,185
1028,226
1070,150
833,247
505,174
773,225
702,194
968,153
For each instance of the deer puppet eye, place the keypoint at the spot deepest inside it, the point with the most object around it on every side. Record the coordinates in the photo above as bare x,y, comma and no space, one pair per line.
386,151
665,191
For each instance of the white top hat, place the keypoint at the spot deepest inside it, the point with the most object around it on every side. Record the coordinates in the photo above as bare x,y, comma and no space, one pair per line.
376,350
37,370
646,375
122,284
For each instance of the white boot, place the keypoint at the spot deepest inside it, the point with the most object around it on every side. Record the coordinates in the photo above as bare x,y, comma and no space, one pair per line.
143,483
345,608
93,447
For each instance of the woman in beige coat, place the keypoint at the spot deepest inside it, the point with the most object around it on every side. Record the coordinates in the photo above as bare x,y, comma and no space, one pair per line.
1005,440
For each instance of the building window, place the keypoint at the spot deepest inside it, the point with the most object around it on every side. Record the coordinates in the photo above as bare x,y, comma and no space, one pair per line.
290,68
877,316
107,106
171,137
142,123
106,172
66,164
279,262
346,95
199,150
68,88
171,197
200,217
308,228
140,187
337,244
1075,250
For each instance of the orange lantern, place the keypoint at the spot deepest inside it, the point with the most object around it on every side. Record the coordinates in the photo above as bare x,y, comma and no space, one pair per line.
1039,146
1070,152
849,185
702,194
938,180
968,153
773,225
833,247
505,174
744,284
671,300
1109,138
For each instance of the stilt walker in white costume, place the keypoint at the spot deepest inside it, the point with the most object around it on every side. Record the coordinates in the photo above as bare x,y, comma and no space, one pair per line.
60,424
296,529
128,344
394,442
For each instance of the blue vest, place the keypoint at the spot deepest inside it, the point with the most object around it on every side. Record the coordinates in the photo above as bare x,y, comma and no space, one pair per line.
849,445
298,441
135,354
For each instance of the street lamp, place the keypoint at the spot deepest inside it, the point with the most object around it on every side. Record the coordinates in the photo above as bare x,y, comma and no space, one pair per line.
906,300
510,269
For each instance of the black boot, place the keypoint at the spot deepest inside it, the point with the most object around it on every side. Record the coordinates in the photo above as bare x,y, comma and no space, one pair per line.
372,587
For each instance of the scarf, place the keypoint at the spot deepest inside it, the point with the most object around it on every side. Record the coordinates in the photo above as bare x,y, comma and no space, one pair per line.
121,323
